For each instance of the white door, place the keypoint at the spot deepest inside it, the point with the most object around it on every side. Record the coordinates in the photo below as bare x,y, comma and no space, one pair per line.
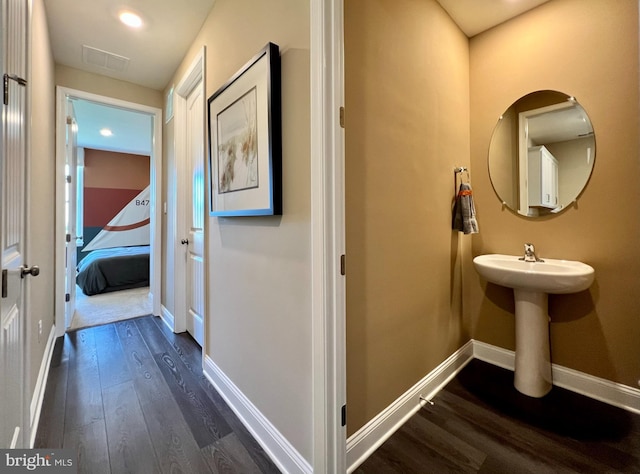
71,208
195,213
13,406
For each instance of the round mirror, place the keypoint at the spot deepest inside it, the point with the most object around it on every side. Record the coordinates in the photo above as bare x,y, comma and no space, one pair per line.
541,153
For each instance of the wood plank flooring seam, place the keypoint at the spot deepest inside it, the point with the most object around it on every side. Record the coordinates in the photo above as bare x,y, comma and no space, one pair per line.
171,436
119,406
183,340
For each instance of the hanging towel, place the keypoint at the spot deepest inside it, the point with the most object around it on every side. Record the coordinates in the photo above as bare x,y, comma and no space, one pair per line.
464,212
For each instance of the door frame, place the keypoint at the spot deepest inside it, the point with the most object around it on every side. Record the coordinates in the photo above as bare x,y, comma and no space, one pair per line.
155,276
327,236
194,76
523,150
71,246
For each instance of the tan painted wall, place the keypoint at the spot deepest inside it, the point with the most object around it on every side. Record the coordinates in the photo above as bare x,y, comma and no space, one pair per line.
588,49
41,191
258,328
106,86
407,127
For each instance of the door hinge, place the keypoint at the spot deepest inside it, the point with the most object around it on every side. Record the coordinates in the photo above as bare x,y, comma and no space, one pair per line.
68,238
13,77
69,120
344,415
342,117
67,297
69,178
343,265
5,274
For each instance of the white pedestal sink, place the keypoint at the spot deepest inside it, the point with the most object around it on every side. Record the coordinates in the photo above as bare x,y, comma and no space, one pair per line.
531,283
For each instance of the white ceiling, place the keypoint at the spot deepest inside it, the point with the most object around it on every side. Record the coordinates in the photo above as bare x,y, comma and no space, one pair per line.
476,16
132,131
154,51
559,125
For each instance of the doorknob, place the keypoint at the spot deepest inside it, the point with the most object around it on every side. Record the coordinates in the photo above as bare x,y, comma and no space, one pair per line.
184,241
34,270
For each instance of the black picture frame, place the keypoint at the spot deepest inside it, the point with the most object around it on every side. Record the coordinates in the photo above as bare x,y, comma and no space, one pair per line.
245,140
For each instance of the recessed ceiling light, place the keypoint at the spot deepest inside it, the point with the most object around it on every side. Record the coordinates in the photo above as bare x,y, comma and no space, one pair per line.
105,132
130,19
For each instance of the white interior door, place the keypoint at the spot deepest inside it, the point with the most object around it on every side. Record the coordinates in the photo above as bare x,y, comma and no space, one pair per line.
13,406
71,209
195,213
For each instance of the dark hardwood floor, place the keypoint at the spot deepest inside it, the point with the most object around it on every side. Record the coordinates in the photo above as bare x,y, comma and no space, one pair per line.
130,397
479,423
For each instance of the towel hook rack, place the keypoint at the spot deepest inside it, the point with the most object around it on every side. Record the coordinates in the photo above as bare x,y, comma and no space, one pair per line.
462,169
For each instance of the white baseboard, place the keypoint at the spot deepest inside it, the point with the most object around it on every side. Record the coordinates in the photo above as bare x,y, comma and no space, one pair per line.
167,318
279,449
612,393
494,355
367,439
41,386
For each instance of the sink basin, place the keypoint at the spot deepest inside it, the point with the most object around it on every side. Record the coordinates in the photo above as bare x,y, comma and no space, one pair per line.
550,276
531,282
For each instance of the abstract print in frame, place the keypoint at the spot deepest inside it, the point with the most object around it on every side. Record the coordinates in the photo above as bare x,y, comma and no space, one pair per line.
238,145
245,162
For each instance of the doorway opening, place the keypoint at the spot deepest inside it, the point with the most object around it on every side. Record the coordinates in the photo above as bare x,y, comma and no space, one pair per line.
128,244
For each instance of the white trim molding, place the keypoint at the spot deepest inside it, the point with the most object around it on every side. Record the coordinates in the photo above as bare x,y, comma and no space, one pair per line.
612,393
155,178
371,436
177,197
328,291
41,386
279,449
167,318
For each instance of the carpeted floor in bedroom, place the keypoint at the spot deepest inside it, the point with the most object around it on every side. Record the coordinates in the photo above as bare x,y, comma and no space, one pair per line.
110,307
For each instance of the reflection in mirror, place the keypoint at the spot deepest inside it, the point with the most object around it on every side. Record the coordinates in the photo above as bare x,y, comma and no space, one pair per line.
542,153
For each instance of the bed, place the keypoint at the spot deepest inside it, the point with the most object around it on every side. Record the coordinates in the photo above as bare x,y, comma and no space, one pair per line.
113,269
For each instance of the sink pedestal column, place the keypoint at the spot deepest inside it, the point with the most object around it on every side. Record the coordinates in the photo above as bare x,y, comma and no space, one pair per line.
533,355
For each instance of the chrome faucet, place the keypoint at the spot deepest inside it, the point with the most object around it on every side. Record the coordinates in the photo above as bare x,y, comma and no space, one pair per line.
530,254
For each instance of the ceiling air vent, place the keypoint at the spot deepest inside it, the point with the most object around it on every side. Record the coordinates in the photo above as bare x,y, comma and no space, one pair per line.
104,59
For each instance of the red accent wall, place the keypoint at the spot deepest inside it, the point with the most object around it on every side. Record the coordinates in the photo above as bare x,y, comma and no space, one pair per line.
102,204
111,170
111,180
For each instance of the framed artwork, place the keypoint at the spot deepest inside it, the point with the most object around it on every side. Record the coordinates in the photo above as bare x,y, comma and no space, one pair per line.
245,141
